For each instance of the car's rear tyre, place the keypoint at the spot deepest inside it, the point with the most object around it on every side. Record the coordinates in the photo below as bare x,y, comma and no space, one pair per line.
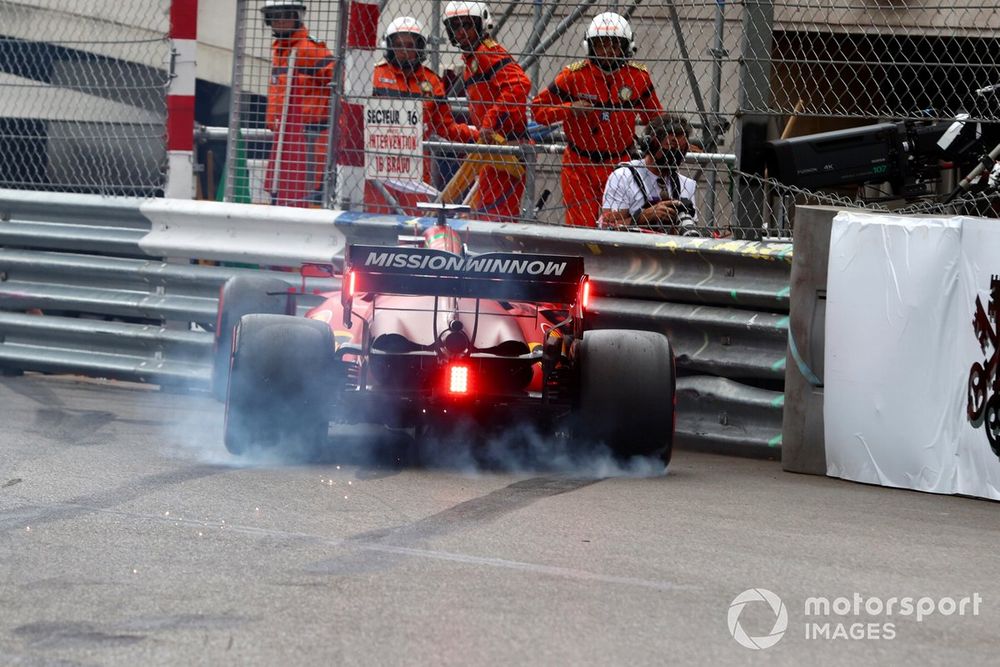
626,392
241,295
281,385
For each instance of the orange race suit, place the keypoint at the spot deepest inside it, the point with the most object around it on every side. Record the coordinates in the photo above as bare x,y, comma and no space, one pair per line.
422,83
598,139
498,90
301,123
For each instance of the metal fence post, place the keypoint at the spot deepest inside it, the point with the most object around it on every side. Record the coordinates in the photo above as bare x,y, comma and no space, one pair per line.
564,25
508,10
336,99
530,173
235,99
751,121
542,19
436,35
710,134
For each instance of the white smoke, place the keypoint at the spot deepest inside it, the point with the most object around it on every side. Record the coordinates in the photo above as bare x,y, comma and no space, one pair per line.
195,432
522,448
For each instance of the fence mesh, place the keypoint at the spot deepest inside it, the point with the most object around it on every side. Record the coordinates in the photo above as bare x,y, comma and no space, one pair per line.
537,139
281,104
526,128
917,65
530,126
82,95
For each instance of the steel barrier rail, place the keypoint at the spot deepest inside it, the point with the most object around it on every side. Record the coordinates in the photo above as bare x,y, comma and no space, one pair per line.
82,238
727,342
644,266
251,233
107,285
143,353
72,208
123,287
97,269
82,223
717,411
206,133
722,272
723,303
26,295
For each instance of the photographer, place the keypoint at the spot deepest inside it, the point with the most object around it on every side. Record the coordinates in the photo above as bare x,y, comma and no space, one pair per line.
648,192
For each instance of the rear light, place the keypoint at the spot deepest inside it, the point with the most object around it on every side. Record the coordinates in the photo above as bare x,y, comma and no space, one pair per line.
458,379
585,294
351,278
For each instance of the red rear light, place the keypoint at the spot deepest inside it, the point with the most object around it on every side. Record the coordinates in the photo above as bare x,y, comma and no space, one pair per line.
350,283
458,379
585,294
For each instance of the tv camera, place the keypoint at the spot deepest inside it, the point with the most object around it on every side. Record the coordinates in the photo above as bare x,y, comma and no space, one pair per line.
907,155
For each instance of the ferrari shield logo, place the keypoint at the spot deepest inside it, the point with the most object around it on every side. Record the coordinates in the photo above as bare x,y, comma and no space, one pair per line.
625,93
983,398
426,88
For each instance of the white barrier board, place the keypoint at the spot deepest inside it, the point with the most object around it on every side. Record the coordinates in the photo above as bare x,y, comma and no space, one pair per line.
901,346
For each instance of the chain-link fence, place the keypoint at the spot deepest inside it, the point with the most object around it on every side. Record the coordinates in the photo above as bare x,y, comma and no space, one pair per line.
529,125
914,66
82,95
525,128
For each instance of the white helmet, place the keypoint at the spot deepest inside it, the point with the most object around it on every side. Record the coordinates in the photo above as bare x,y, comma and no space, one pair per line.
610,24
477,10
404,24
272,7
277,5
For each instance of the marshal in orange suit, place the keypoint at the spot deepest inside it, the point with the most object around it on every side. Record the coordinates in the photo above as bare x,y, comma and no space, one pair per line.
498,90
598,100
298,106
403,75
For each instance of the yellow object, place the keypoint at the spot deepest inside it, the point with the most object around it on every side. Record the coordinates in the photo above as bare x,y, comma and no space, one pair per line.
469,172
462,179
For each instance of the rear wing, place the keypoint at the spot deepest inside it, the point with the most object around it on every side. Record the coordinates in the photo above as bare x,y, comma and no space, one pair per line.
504,276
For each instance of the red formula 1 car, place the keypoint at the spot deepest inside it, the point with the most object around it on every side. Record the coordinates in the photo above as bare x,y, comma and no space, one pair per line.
429,337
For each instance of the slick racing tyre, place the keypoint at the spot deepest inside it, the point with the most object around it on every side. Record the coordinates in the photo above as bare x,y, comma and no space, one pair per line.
626,392
280,385
241,295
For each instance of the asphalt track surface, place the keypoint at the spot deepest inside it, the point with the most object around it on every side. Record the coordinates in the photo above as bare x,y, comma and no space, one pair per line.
129,537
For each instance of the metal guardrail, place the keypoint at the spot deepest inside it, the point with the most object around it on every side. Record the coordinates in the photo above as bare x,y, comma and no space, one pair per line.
85,262
727,342
139,352
657,267
124,287
206,133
